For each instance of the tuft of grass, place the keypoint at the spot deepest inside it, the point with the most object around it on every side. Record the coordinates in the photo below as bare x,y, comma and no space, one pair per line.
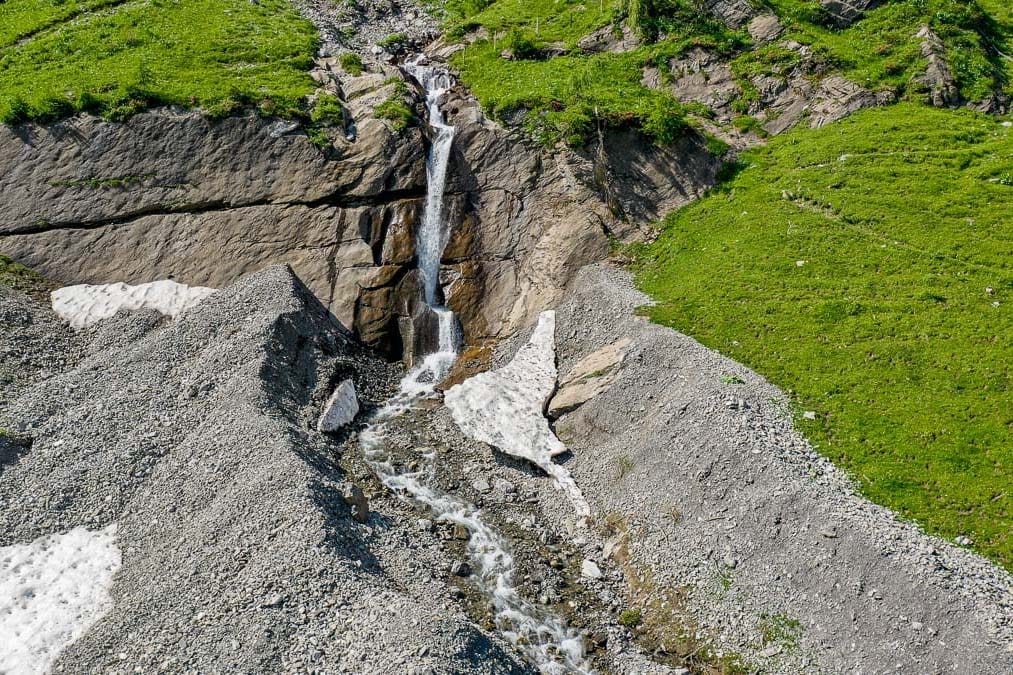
397,112
781,629
352,63
897,326
624,465
631,618
115,58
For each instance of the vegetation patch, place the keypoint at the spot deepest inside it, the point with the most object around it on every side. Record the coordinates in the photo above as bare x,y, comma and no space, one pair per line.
20,278
117,57
867,269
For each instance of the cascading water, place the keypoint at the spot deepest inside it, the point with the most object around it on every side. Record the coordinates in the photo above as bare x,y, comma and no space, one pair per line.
434,231
543,637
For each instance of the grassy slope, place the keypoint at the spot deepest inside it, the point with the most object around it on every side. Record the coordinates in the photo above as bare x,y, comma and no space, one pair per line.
566,95
116,56
903,218
569,95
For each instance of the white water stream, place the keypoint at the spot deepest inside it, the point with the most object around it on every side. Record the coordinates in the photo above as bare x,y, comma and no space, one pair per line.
543,637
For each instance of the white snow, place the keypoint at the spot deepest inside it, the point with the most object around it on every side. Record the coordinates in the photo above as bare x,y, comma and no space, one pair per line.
51,591
341,408
506,408
86,304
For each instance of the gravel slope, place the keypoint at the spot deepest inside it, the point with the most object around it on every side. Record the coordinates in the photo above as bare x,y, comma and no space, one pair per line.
718,494
239,553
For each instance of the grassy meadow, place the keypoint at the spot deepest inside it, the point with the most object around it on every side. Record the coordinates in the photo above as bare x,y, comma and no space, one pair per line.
116,57
867,269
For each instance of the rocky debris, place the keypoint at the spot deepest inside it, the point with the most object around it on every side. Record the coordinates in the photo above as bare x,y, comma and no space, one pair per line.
938,79
84,305
34,345
361,26
588,378
765,28
766,528
340,409
240,552
606,39
843,13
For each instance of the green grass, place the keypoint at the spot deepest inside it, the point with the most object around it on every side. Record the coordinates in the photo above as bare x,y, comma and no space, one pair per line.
116,57
851,266
569,97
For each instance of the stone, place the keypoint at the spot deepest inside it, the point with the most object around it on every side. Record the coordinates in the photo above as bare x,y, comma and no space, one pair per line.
765,28
353,496
340,409
938,78
591,376
846,12
480,485
589,570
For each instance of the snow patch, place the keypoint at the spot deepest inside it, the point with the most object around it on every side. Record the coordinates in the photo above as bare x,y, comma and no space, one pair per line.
506,408
84,305
51,591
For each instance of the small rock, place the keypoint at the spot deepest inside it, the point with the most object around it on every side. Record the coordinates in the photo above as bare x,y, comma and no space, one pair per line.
480,485
460,569
589,570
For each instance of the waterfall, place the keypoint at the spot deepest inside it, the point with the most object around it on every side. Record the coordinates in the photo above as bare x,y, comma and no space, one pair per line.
543,637
434,231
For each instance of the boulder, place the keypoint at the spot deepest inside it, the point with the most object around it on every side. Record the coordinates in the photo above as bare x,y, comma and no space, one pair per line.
590,377
765,28
340,409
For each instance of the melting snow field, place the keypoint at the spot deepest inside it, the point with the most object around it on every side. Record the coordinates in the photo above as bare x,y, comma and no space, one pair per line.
84,305
506,408
51,591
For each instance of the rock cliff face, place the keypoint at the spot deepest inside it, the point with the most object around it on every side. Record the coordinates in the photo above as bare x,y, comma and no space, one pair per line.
170,194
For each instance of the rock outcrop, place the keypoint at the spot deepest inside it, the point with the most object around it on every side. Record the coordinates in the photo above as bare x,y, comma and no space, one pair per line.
171,195
526,219
799,93
938,79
